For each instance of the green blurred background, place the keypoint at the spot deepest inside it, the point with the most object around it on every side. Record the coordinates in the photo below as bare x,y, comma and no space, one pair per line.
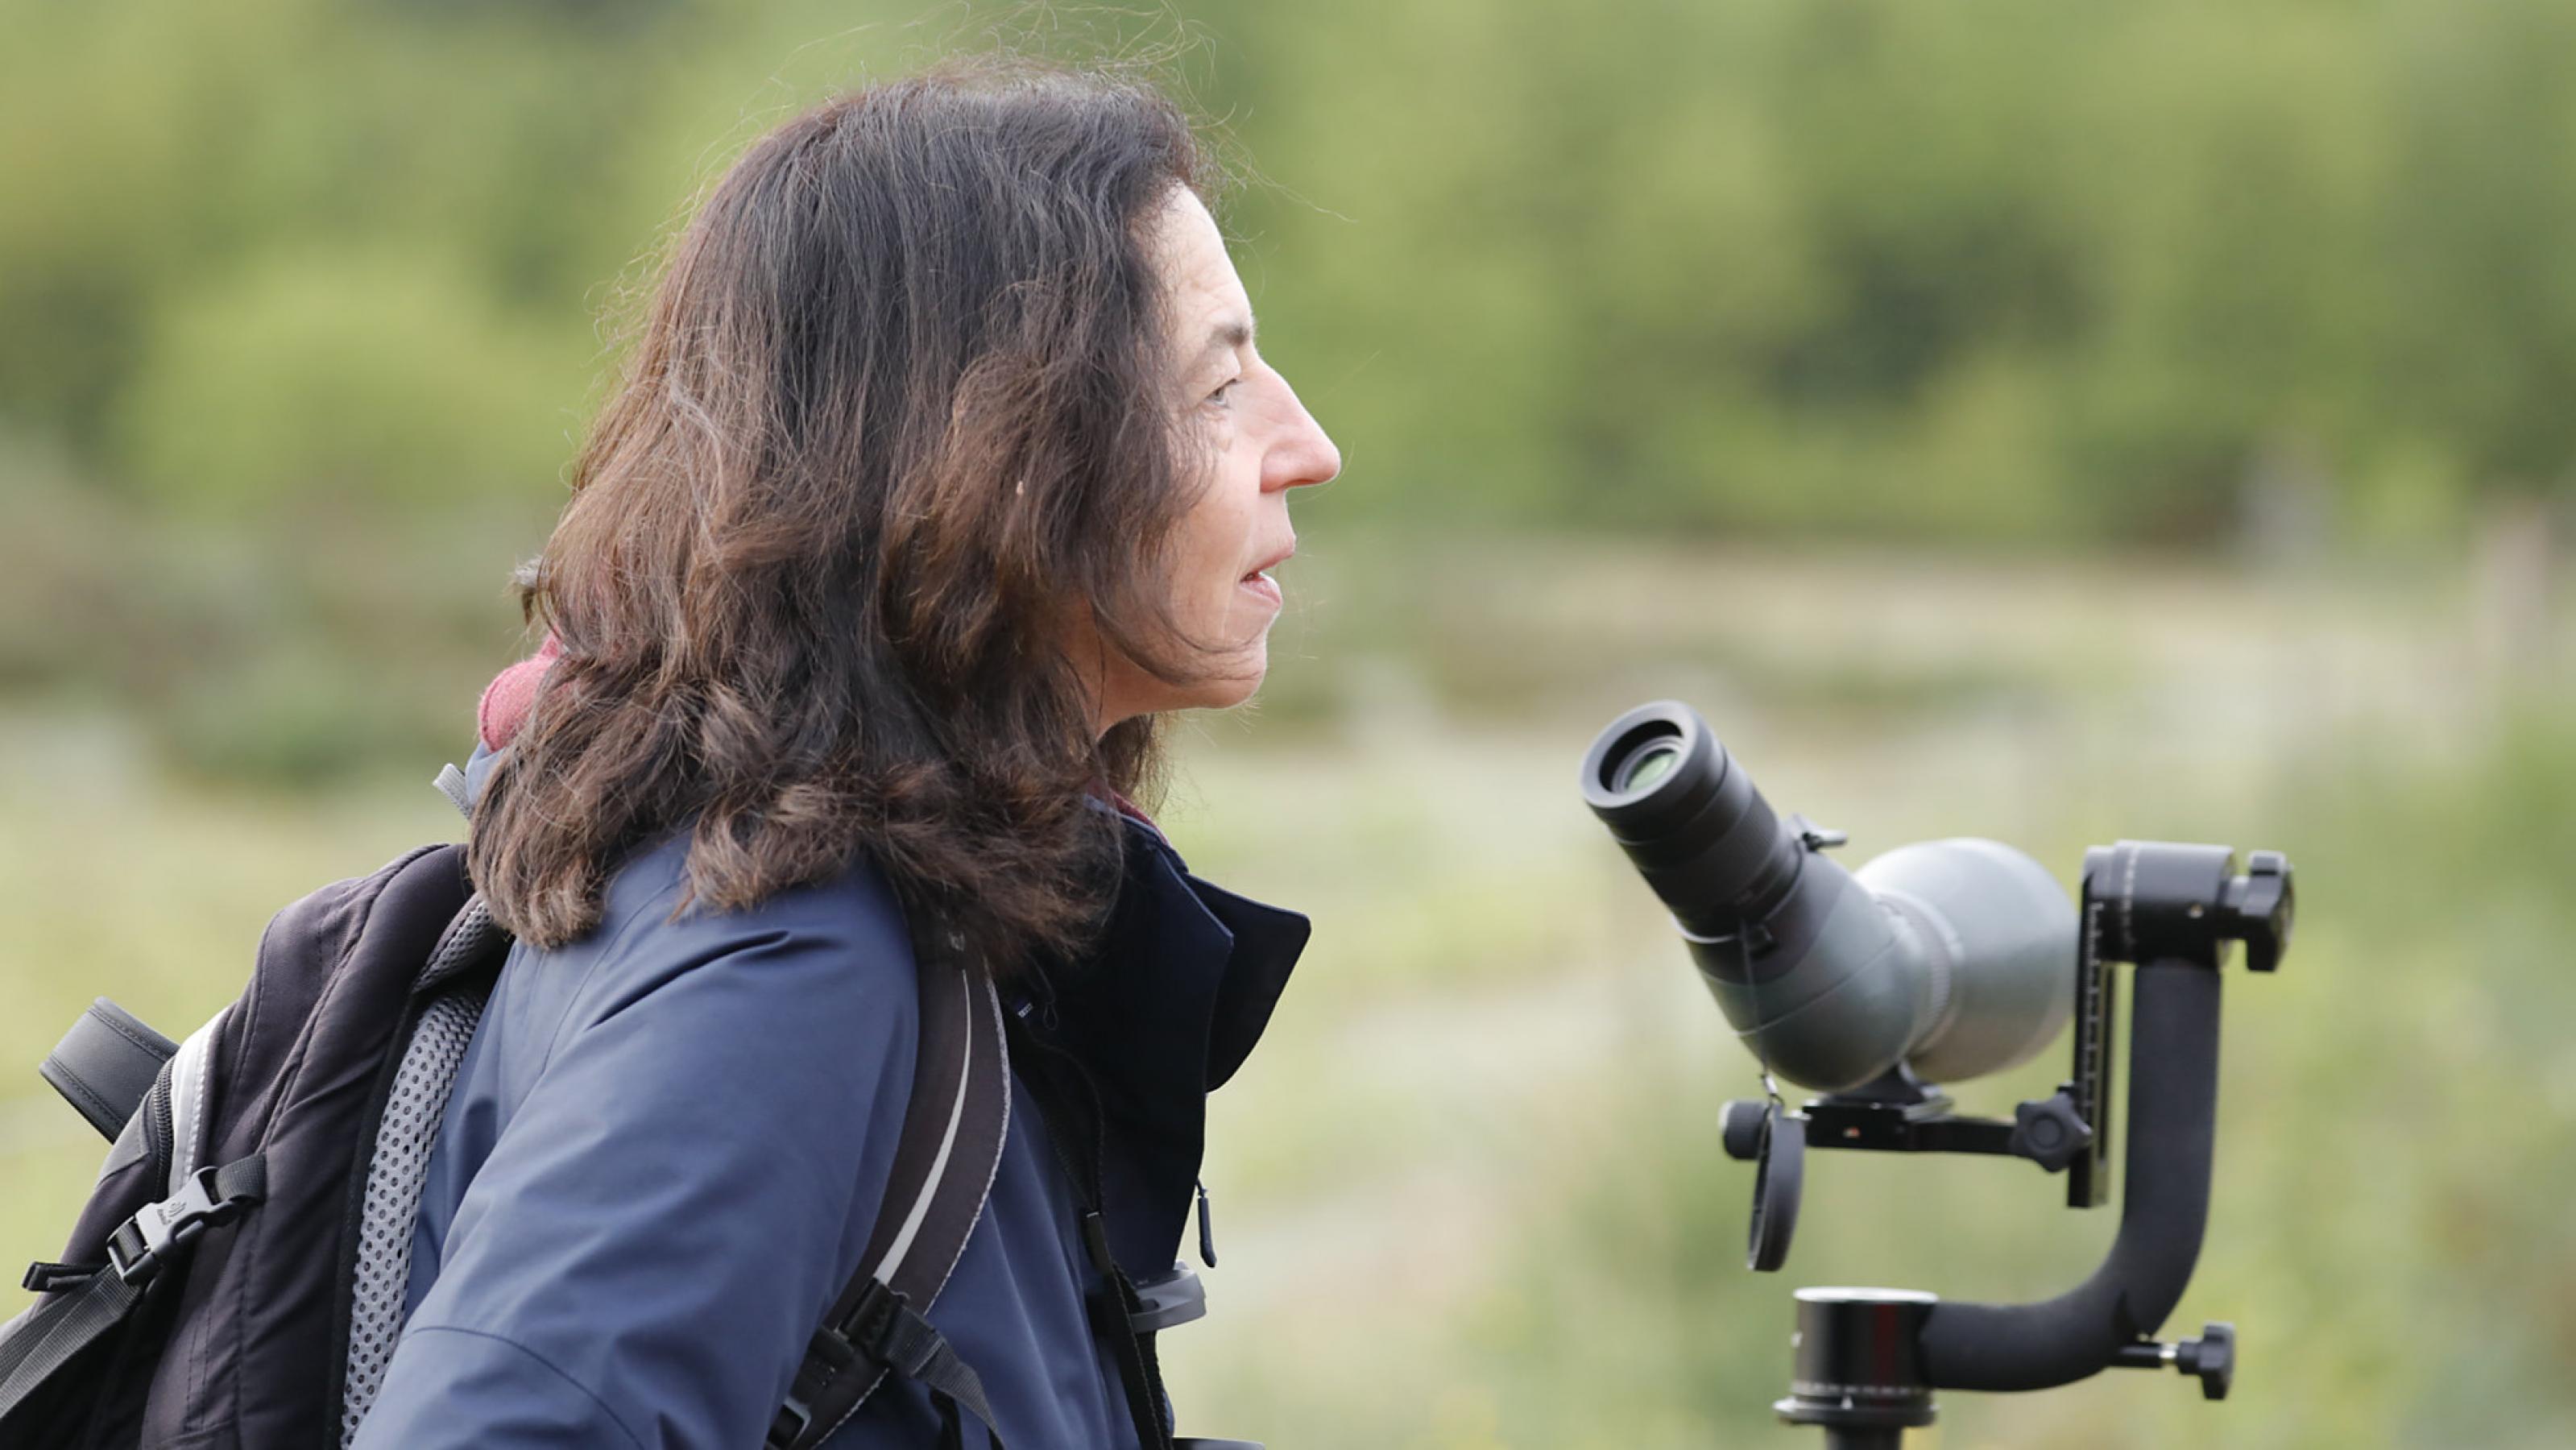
2052,421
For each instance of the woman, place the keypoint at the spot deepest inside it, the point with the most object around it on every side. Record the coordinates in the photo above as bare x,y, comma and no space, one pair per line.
945,466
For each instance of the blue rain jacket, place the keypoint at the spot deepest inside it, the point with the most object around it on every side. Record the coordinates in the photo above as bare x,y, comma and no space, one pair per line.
667,1143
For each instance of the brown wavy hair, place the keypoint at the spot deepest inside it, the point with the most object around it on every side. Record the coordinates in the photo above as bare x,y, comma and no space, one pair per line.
899,409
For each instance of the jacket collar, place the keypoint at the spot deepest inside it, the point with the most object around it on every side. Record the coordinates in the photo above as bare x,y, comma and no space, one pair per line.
1163,1009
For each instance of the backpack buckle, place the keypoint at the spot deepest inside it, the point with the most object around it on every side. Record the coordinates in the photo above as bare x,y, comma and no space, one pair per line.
1168,1301
143,1243
789,1424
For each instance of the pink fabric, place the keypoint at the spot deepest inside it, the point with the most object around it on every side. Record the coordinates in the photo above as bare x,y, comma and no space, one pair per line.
507,698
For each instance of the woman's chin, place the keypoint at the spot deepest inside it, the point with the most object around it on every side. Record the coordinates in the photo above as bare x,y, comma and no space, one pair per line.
1228,693
1240,681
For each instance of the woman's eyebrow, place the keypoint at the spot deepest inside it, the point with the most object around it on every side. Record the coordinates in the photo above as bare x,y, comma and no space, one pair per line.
1231,335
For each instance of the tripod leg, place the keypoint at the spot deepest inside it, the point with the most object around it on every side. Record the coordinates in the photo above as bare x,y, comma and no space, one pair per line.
1875,1437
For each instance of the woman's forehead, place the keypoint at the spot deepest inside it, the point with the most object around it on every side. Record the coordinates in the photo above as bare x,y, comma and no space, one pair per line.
1208,301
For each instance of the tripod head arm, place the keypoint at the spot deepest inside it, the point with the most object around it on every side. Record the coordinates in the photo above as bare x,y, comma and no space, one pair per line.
2164,1209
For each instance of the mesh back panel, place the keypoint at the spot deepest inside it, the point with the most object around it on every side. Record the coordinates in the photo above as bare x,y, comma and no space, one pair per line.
403,1143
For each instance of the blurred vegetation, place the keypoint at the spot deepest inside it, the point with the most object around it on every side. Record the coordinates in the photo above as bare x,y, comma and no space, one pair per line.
329,278
2045,419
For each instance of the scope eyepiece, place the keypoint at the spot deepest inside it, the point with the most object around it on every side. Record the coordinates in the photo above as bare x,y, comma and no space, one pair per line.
1697,830
1954,957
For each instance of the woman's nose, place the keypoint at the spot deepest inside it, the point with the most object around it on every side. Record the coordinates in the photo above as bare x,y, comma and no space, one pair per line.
1303,454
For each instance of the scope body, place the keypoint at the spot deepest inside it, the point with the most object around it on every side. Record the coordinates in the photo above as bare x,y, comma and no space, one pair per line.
1955,958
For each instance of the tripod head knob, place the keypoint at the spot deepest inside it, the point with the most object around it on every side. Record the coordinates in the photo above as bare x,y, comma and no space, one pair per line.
2212,1357
2257,909
2050,1132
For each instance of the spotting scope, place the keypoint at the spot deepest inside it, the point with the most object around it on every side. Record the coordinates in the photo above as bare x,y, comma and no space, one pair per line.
1935,962
1953,958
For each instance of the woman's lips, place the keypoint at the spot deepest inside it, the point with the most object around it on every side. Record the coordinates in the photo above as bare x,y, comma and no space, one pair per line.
1259,581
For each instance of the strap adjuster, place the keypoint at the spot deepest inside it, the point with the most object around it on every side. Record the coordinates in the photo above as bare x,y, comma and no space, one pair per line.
885,1329
879,1306
143,1243
865,1343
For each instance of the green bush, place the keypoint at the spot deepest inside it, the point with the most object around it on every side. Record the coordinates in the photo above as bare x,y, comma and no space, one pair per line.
355,379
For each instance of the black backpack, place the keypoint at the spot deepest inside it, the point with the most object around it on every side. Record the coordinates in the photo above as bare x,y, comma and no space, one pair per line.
236,1279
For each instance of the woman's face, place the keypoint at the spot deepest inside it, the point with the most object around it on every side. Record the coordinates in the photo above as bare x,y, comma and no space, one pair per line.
1253,442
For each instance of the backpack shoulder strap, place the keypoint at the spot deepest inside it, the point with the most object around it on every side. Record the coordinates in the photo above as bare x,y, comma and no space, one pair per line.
944,1161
